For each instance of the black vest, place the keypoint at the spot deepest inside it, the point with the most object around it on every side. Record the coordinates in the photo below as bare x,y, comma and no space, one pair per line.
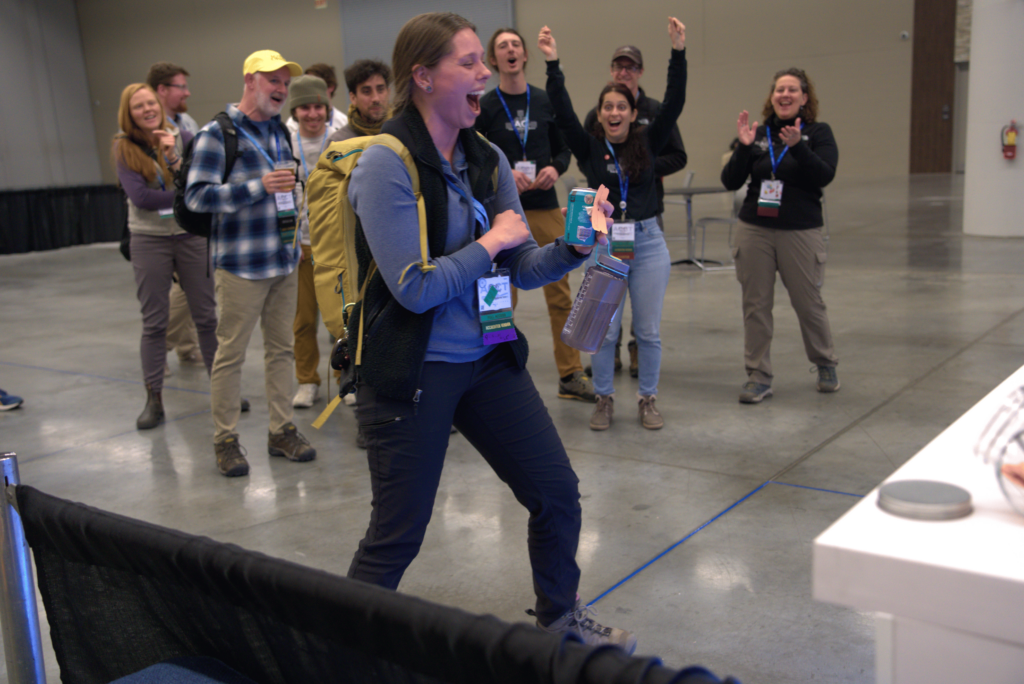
395,339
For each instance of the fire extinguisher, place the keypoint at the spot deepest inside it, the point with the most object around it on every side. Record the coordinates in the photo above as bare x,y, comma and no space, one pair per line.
1009,137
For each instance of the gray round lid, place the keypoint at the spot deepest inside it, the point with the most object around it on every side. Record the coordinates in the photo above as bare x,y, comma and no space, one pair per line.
924,500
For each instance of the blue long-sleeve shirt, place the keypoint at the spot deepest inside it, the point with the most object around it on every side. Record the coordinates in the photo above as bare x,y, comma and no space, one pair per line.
381,194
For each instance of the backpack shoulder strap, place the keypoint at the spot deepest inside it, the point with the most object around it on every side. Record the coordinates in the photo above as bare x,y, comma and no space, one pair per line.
231,153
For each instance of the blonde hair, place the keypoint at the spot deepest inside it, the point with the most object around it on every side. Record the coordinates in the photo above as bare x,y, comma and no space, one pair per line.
423,41
131,142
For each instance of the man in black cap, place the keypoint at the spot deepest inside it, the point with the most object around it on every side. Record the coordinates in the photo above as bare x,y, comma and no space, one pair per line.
627,68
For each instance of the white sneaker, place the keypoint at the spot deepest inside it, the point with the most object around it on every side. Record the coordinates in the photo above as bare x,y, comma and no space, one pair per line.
306,396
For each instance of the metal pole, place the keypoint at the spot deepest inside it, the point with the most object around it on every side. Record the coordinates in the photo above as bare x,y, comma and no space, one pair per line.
18,615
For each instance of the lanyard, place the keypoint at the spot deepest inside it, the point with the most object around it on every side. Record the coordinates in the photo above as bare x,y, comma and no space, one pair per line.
526,121
623,180
771,150
302,153
478,209
259,147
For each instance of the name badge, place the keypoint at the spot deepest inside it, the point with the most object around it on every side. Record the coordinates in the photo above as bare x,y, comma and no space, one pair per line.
623,240
770,199
166,213
529,168
494,298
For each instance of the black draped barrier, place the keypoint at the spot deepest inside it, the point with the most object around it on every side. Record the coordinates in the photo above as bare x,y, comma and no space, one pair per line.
36,220
122,595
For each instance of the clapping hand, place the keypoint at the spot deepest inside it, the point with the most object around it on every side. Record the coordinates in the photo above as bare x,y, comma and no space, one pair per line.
790,134
677,32
546,44
745,130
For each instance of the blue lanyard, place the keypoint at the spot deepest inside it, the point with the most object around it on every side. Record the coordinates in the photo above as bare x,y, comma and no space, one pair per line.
771,150
259,147
526,121
478,209
623,180
302,152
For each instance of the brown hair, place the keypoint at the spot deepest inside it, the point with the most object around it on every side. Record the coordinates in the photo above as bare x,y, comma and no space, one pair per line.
423,41
809,112
161,73
364,70
324,71
131,145
634,158
492,59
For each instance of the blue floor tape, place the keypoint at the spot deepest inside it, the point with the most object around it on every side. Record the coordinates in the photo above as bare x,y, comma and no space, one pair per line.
819,489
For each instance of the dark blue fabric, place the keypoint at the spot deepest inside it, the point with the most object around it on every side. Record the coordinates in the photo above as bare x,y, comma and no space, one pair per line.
189,670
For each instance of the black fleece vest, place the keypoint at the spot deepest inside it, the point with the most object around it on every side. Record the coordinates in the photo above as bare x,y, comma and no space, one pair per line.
395,339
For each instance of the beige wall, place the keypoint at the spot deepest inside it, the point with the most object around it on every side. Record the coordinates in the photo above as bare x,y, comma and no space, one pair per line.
851,49
121,38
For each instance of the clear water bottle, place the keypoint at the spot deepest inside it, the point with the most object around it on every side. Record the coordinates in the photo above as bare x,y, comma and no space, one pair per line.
600,295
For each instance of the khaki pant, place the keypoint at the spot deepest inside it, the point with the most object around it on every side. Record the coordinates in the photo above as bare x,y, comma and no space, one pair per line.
546,225
240,304
799,257
307,351
181,331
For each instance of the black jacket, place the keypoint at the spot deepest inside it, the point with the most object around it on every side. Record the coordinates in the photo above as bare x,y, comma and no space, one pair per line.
395,338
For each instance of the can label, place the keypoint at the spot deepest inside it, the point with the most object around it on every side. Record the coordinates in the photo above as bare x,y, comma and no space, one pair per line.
578,228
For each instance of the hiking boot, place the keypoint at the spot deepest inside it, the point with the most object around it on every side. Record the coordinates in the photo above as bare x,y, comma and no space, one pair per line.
361,438
828,381
634,366
307,395
578,386
578,621
192,358
649,416
9,401
245,405
153,414
291,444
231,458
754,392
602,418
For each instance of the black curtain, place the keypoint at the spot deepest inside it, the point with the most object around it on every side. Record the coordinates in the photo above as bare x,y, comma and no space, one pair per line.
36,220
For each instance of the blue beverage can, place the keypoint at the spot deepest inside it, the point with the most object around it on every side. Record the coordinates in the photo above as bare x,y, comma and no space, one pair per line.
578,228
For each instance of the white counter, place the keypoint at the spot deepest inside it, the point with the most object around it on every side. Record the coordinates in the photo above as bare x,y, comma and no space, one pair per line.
950,593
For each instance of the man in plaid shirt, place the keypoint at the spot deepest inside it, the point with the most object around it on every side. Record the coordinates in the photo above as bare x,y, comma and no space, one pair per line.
255,255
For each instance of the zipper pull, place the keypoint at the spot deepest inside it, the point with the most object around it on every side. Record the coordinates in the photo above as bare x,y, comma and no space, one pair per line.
416,397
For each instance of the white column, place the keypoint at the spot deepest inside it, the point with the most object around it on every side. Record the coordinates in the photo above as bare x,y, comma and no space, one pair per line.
993,186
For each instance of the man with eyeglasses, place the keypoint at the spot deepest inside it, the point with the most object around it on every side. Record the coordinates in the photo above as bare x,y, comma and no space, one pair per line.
171,87
627,68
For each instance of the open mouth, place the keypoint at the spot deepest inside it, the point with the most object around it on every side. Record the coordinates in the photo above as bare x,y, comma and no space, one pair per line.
474,101
512,61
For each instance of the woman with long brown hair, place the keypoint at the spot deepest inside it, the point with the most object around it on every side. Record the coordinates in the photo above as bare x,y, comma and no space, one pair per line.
788,161
619,154
431,356
147,154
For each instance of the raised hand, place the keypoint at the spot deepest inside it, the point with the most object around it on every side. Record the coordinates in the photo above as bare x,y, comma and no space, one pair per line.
790,134
546,44
677,32
164,141
745,131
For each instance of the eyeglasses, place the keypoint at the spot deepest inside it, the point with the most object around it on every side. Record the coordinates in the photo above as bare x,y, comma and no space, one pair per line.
631,68
177,85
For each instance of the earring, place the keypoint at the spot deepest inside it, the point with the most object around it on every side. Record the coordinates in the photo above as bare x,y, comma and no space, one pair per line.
429,88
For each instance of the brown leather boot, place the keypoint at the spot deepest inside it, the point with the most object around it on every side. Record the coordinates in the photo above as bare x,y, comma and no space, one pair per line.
153,414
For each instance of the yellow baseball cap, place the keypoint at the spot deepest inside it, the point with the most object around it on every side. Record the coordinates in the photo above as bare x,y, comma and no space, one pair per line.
268,60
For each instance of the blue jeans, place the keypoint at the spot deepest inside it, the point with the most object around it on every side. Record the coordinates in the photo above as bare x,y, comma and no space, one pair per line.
495,406
648,280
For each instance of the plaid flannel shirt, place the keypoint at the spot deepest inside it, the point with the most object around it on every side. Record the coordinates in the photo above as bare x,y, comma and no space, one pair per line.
246,240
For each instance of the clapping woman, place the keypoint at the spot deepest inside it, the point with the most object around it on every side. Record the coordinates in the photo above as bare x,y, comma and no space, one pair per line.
147,154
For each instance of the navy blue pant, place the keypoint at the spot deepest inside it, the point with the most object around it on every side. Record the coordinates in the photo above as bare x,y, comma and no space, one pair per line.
496,407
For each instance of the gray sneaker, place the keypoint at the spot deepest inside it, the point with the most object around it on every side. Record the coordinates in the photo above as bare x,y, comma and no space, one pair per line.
579,386
828,381
649,416
291,444
754,392
578,620
231,458
602,418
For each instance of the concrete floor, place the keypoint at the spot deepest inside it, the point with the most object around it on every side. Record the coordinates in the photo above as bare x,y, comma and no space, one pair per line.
717,511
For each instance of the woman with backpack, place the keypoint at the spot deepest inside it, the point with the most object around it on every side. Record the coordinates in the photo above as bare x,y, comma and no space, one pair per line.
427,355
147,154
619,154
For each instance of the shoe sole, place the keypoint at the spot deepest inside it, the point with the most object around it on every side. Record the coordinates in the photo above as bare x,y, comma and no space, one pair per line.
827,390
10,407
273,451
756,399
652,427
237,471
600,428
569,395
